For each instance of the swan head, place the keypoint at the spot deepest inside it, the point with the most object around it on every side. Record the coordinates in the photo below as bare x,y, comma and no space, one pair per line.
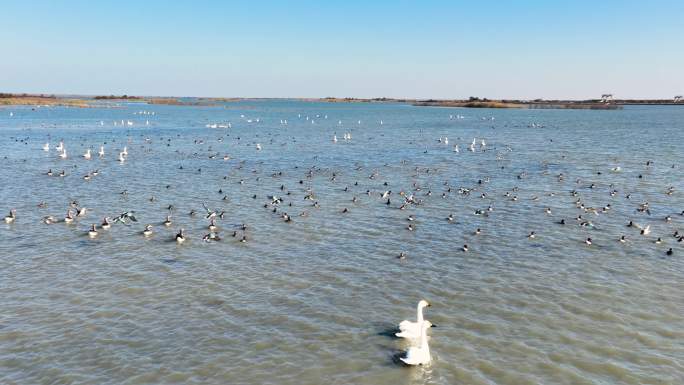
423,303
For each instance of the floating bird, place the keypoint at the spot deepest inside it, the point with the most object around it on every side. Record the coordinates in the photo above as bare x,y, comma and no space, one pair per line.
147,231
105,224
419,355
93,231
180,237
11,217
411,327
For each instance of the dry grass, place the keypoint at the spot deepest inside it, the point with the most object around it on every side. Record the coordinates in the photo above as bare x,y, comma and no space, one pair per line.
43,101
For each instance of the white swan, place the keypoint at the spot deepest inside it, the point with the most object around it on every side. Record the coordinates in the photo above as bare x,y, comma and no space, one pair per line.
101,152
46,147
414,327
87,155
409,335
419,355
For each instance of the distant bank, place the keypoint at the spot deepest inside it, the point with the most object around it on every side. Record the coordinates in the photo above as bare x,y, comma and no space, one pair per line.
473,102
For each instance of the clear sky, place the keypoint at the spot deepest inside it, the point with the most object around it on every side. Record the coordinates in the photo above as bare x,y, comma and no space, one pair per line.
438,49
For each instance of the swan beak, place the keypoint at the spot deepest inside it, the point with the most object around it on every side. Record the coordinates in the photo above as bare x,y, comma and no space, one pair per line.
433,326
429,304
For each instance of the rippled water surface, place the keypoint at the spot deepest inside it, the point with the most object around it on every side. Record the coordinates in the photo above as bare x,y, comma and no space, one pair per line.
313,300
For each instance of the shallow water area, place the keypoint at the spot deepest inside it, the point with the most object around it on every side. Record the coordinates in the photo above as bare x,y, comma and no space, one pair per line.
315,299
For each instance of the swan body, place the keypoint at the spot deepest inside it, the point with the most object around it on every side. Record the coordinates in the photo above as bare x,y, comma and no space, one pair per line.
410,335
419,355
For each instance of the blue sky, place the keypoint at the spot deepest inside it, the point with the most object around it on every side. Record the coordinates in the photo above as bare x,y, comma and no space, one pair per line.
439,49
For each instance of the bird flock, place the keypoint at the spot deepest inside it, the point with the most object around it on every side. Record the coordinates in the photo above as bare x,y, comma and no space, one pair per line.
410,197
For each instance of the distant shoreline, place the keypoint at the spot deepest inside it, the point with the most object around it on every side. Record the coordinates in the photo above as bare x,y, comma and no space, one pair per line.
36,100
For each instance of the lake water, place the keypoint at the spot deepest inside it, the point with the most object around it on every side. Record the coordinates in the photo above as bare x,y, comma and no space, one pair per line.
313,300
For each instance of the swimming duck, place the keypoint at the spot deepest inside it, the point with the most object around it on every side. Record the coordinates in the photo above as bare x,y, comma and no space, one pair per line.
167,222
587,241
212,236
68,218
148,230
11,217
48,220
180,237
93,231
105,224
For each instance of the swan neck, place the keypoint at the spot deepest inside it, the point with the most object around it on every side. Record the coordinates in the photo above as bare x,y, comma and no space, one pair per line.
419,315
